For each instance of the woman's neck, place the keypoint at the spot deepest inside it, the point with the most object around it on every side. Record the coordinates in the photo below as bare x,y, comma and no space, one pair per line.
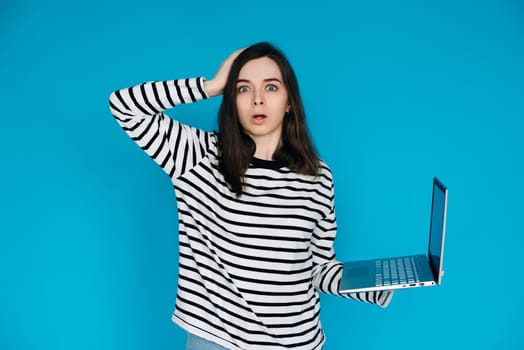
266,148
264,155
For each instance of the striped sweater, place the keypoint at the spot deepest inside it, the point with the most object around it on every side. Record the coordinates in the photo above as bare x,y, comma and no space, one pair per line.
250,267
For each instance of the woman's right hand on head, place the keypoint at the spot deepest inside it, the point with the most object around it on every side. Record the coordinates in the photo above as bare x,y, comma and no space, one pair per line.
215,86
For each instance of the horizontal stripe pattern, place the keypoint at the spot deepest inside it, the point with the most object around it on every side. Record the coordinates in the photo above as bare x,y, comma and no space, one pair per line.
250,267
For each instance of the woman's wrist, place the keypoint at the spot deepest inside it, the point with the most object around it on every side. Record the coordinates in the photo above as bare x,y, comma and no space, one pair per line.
212,88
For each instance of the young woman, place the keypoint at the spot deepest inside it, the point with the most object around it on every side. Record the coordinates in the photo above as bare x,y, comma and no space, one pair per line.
255,204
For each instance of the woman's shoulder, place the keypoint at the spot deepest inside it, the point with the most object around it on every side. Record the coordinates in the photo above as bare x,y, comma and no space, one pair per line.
324,170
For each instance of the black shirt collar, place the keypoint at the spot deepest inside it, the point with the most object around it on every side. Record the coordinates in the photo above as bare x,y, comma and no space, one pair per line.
266,164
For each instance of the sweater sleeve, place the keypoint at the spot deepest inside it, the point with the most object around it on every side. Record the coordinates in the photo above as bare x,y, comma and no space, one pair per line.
139,110
327,271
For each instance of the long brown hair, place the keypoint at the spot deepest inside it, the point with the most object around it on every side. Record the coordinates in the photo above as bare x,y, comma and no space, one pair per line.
236,148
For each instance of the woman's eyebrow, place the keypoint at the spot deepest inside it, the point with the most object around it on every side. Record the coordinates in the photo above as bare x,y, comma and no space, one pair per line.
265,80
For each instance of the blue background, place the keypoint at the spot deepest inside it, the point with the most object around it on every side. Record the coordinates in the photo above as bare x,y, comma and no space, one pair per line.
395,92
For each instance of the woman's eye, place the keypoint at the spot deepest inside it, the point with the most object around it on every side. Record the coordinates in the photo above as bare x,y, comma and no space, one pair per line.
243,89
271,87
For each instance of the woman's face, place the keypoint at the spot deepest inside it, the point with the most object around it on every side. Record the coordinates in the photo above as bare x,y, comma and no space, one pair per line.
262,100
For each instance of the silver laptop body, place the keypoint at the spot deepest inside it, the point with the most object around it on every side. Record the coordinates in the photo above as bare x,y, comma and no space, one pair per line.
405,271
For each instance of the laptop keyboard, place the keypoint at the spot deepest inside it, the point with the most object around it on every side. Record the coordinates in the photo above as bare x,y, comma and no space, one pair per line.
396,271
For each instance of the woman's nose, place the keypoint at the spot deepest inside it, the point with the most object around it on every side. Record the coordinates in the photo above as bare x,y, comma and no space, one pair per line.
258,100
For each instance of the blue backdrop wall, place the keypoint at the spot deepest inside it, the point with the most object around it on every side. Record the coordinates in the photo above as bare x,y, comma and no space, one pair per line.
395,92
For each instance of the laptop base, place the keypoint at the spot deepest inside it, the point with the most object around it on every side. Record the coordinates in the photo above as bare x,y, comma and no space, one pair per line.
386,274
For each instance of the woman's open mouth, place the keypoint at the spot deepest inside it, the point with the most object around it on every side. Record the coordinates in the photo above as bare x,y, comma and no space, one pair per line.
259,118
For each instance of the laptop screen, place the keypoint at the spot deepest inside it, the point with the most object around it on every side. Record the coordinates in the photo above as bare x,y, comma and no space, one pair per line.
437,228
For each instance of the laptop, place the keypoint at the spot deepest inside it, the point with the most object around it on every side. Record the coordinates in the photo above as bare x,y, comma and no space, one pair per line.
405,271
